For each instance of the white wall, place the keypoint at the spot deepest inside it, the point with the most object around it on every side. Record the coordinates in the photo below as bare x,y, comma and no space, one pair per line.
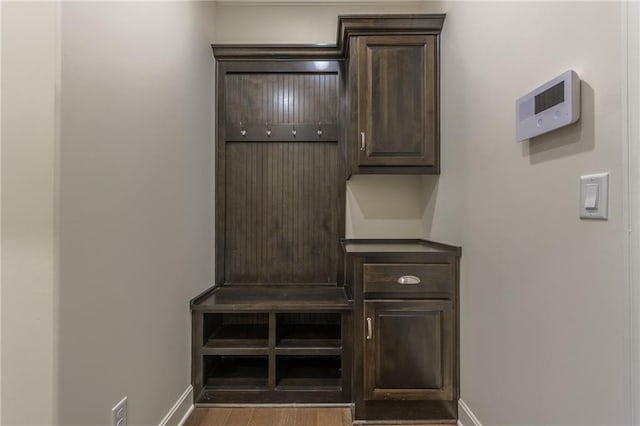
136,170
28,244
544,319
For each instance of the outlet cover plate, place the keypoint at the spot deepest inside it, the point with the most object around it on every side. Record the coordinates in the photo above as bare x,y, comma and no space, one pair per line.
119,413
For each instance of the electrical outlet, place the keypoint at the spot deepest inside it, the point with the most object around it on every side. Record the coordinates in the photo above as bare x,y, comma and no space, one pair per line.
119,413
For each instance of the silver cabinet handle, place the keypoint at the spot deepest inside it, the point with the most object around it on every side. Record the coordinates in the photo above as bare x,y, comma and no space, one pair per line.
362,142
369,331
409,279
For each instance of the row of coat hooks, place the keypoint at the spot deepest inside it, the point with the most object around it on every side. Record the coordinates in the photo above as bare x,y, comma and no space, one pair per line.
242,131
294,132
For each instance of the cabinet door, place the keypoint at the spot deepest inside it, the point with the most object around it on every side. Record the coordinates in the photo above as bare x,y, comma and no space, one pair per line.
408,350
397,101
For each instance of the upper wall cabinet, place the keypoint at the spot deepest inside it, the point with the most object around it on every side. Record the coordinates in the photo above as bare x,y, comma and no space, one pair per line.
394,98
397,101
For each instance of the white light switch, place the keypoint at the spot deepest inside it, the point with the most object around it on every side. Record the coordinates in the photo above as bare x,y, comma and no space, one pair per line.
594,196
591,196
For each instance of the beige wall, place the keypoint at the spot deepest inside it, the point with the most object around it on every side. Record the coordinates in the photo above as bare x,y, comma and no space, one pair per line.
544,317
633,219
28,246
544,320
136,162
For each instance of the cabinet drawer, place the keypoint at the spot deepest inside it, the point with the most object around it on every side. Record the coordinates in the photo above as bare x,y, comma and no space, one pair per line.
408,278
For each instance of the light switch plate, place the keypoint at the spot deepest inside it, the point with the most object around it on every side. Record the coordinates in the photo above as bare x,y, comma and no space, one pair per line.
602,209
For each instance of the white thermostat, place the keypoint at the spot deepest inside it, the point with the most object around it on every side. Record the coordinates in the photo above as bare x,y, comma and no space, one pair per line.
553,105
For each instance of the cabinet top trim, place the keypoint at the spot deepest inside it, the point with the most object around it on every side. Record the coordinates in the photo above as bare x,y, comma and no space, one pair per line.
348,26
378,245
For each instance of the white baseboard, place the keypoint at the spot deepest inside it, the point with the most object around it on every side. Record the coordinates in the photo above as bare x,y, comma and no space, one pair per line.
466,416
180,411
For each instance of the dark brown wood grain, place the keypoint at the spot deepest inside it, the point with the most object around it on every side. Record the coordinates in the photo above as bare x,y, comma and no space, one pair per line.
197,337
419,412
409,324
279,197
281,211
284,323
397,101
400,247
435,279
276,98
243,52
409,355
275,298
272,344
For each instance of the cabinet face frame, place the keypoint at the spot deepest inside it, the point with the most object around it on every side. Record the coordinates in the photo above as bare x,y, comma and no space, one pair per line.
371,52
374,310
402,150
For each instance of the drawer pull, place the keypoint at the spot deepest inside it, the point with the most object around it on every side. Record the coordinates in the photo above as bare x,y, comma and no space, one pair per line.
369,331
408,279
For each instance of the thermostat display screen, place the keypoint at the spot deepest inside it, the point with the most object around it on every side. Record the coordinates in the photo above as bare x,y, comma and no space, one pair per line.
550,97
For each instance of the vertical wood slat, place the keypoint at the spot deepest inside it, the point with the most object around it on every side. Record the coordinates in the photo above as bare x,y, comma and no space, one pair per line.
280,216
281,98
282,227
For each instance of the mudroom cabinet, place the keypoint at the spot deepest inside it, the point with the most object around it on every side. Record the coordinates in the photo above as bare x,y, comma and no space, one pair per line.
408,350
297,313
406,326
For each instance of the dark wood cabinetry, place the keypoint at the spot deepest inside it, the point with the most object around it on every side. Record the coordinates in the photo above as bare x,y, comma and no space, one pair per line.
271,345
394,95
408,350
397,102
406,328
298,315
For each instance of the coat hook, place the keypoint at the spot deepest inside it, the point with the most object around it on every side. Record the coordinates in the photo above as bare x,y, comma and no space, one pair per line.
294,132
319,130
268,129
243,131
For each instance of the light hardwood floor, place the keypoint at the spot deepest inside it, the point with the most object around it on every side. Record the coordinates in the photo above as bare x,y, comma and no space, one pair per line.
266,416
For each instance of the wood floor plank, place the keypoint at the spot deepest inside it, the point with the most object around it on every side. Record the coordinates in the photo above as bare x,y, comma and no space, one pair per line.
217,417
306,417
276,416
240,416
346,416
329,416
196,416
265,417
286,417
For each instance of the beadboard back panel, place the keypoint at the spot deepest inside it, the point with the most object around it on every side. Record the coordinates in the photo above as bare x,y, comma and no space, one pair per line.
280,174
281,98
281,219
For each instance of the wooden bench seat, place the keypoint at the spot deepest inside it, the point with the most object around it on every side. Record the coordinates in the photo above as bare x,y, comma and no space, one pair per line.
272,298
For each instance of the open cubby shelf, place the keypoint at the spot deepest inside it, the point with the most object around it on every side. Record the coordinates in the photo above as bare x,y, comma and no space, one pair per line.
294,330
281,353
228,330
304,373
236,372
239,335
